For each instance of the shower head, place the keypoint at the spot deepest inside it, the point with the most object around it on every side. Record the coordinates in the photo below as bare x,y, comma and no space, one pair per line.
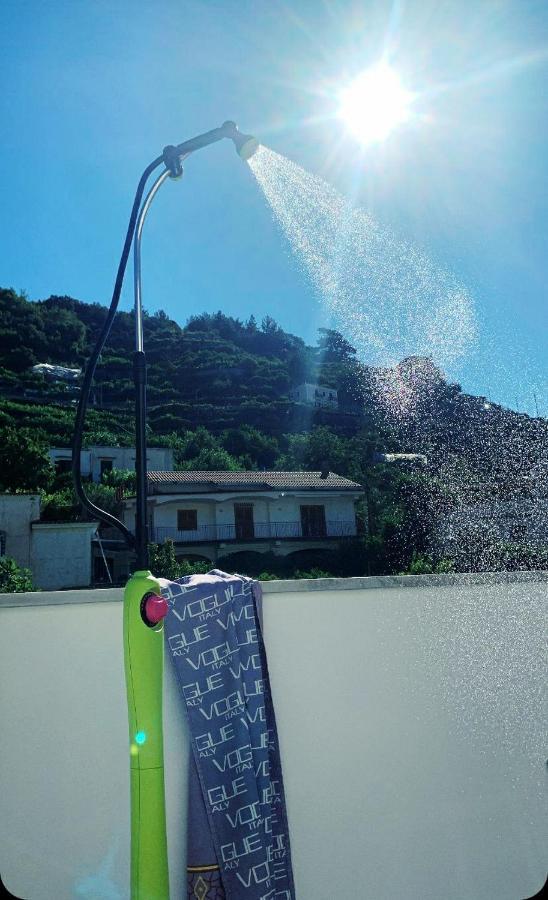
245,144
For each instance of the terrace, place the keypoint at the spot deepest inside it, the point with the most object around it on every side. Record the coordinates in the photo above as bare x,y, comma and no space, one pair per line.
409,717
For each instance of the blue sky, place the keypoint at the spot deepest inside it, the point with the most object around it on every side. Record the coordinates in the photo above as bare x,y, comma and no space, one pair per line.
91,91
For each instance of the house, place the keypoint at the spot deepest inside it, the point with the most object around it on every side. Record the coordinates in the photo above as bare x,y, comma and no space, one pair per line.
210,515
520,521
57,373
95,461
315,395
57,553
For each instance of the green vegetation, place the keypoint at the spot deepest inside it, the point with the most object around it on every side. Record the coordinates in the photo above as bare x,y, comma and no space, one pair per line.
164,563
218,395
422,564
313,573
13,578
24,460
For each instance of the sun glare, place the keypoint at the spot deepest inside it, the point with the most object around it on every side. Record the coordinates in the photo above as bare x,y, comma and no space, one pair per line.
374,104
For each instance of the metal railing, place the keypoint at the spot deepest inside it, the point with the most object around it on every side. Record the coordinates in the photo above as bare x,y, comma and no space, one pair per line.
257,531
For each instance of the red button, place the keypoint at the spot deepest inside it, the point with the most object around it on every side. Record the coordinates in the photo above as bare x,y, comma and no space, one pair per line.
156,608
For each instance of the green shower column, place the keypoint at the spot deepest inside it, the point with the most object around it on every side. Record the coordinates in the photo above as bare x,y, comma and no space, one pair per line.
144,668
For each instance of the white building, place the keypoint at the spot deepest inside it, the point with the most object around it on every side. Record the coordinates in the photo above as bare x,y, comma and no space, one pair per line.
57,553
516,521
213,514
57,373
95,461
315,395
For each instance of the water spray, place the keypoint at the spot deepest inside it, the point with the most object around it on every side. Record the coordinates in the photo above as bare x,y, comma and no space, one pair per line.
144,606
387,296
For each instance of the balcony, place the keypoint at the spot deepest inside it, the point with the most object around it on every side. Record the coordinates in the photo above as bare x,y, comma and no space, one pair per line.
258,531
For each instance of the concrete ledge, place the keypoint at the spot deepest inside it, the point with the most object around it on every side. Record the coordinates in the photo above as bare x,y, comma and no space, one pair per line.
376,582
401,581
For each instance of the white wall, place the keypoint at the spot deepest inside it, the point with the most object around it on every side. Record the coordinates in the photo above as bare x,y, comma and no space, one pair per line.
312,393
61,554
17,511
409,716
165,514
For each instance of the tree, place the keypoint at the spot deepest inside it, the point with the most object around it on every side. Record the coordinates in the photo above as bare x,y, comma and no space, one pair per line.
250,442
251,323
321,448
213,459
13,578
269,325
121,478
334,347
24,460
165,564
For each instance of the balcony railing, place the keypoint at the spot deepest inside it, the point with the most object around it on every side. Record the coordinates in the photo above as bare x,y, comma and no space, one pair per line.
259,531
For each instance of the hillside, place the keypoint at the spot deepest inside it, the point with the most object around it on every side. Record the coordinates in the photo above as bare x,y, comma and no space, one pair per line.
218,393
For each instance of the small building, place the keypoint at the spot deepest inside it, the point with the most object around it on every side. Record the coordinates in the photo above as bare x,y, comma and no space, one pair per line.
57,553
95,461
57,373
480,525
315,395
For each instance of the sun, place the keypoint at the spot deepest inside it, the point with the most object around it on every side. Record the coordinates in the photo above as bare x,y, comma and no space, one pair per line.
374,104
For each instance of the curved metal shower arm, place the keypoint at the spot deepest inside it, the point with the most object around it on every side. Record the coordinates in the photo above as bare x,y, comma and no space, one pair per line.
139,374
137,257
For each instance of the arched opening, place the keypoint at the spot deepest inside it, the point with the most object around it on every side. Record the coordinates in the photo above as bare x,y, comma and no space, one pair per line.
248,562
305,560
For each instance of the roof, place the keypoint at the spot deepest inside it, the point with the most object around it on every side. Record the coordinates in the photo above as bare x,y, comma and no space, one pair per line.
262,481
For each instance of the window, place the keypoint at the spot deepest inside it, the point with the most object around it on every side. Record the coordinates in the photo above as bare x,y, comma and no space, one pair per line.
2,543
63,465
187,519
313,521
106,466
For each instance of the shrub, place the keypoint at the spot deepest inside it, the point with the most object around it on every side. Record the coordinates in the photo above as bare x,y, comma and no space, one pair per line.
13,578
164,563
24,460
60,506
313,573
422,564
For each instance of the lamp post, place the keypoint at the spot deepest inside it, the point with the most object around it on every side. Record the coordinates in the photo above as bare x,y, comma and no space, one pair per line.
144,606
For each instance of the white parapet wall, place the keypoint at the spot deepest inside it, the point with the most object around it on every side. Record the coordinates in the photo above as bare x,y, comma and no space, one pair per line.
410,724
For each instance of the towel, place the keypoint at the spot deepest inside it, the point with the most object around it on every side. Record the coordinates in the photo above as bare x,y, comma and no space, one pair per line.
238,836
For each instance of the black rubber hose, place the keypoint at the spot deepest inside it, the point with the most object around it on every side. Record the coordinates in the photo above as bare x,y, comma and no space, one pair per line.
102,514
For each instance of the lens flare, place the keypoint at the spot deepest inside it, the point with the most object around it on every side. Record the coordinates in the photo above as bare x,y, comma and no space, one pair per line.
374,104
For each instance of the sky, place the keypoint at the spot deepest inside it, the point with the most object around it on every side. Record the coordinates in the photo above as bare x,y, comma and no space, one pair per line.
92,90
